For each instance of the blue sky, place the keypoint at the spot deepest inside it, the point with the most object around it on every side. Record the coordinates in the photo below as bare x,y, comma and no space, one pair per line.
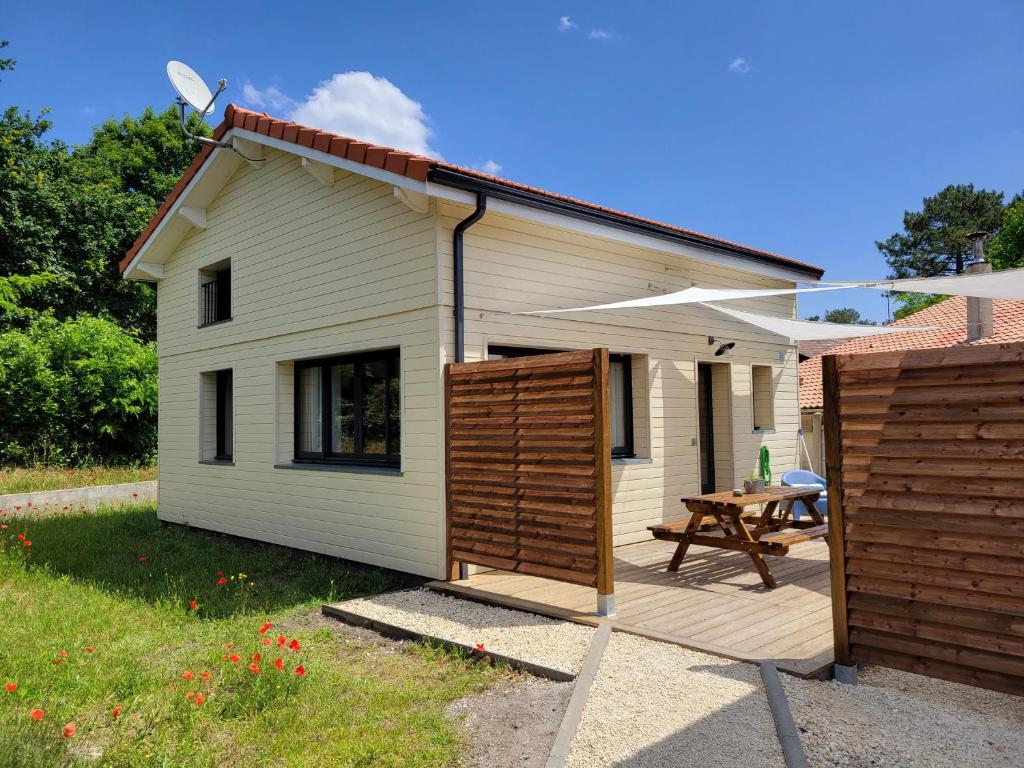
837,119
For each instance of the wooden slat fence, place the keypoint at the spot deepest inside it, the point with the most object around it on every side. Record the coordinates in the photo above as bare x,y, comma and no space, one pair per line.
925,459
529,466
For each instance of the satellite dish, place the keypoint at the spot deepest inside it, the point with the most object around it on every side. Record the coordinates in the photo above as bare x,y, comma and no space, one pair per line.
190,87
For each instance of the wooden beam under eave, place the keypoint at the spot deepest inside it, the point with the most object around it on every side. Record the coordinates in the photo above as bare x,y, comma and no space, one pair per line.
150,270
320,171
193,215
415,201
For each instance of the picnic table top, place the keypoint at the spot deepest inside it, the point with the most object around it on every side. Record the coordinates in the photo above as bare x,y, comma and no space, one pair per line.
771,493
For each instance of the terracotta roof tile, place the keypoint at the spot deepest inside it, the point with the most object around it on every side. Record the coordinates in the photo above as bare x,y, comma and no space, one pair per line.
412,166
949,328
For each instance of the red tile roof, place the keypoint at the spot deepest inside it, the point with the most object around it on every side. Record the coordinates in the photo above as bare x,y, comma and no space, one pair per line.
405,164
949,322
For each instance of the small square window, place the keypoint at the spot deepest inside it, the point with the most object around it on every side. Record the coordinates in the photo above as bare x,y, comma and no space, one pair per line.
218,416
764,397
215,293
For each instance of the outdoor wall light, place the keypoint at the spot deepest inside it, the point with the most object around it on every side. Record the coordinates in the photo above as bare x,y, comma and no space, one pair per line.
724,348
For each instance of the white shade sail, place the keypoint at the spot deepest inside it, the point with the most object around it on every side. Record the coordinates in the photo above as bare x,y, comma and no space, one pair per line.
807,330
689,296
1006,284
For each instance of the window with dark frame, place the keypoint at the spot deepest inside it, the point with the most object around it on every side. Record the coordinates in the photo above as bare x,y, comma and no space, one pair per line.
620,394
347,409
215,294
225,417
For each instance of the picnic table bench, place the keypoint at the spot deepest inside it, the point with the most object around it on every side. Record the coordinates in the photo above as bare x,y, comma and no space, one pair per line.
766,531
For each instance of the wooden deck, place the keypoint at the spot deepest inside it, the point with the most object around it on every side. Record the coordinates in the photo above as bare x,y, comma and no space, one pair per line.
715,602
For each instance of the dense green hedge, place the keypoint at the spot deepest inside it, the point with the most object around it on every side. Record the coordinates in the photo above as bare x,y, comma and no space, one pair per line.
75,393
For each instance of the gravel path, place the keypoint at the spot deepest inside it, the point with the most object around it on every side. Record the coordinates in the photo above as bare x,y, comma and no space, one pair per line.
894,718
555,644
655,704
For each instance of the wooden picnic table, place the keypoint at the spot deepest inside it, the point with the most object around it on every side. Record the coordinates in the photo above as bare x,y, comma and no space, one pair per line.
756,532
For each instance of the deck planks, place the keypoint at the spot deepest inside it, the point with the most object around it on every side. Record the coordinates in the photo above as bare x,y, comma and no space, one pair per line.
715,602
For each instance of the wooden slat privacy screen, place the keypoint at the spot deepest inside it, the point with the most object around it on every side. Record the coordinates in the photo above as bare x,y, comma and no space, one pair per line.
925,450
529,466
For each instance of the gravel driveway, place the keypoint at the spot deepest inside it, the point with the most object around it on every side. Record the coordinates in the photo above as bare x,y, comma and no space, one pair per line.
894,718
656,704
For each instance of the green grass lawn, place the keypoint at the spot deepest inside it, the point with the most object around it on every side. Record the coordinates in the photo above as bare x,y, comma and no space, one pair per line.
48,479
97,614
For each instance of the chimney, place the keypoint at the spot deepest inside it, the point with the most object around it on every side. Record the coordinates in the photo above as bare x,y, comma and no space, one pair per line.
979,311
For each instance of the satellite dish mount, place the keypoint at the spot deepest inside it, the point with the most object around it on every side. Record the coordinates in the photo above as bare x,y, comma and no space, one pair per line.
193,92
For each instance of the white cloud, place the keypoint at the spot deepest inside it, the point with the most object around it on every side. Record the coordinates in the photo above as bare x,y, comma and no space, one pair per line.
601,34
565,24
355,104
489,166
739,66
268,98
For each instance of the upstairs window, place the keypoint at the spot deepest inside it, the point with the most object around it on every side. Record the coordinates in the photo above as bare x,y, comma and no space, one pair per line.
761,388
215,293
620,394
347,409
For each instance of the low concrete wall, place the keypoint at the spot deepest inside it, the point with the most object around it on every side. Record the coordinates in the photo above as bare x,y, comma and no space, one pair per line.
88,497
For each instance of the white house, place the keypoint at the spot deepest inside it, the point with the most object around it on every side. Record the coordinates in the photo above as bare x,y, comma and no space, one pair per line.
311,291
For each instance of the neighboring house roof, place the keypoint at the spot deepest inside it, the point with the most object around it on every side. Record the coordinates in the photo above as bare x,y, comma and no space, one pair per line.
422,168
814,347
948,320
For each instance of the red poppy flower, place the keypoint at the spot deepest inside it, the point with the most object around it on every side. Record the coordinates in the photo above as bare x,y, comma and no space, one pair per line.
300,671
21,537
204,675
135,495
234,658
256,657
16,508
281,640
28,543
254,669
89,649
480,647
30,503
190,695
188,675
193,605
143,558
263,630
266,641
229,646
294,645
57,660
3,527
11,687
221,581
115,712
279,664
200,699
36,714
69,730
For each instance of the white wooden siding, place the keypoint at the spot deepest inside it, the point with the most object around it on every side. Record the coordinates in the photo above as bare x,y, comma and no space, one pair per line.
315,271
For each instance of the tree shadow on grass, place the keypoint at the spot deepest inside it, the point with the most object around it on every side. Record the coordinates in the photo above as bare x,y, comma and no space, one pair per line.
128,552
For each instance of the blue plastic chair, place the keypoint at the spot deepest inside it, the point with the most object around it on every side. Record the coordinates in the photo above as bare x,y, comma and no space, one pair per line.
802,478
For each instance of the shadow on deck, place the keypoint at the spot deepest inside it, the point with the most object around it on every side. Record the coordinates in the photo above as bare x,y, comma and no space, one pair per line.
715,602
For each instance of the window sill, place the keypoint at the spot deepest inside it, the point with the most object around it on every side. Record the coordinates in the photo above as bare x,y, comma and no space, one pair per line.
218,462
354,469
215,322
628,462
765,431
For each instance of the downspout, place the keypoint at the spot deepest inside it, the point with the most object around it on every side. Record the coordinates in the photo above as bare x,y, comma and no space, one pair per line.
460,298
460,288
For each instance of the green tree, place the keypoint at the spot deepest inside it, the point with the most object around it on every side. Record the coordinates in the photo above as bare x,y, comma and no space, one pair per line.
1006,250
936,240
847,315
909,303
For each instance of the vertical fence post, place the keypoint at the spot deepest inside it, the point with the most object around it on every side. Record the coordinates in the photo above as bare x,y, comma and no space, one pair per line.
453,569
603,486
832,435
